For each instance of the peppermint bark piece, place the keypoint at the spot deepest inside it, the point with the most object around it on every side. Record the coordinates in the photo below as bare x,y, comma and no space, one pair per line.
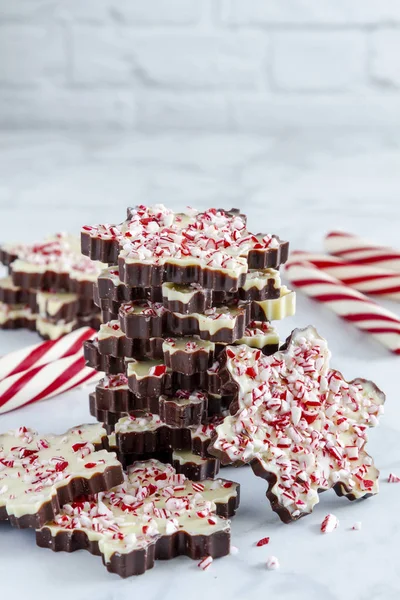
13,294
154,245
61,305
109,292
223,324
188,355
51,329
39,474
261,335
183,408
154,514
113,341
261,284
17,316
299,424
141,433
195,467
143,320
112,365
110,287
153,378
55,264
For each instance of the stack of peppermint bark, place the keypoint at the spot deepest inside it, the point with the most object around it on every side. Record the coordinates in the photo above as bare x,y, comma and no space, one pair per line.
180,288
49,288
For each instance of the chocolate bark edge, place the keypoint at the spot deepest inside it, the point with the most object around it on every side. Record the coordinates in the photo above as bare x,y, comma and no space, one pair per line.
136,562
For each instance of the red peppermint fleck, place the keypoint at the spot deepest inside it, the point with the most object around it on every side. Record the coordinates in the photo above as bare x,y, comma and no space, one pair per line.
25,452
158,370
263,542
78,446
61,465
251,372
90,465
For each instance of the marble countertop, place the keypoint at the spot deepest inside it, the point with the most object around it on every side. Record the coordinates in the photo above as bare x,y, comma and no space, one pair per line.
300,188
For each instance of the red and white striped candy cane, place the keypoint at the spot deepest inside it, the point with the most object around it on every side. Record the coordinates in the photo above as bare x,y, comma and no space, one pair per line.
45,381
43,353
364,278
349,304
361,252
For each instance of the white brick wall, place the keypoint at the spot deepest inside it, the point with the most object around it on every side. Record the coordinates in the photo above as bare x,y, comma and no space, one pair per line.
216,65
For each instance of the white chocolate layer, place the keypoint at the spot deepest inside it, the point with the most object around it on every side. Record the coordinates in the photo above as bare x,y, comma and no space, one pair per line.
279,308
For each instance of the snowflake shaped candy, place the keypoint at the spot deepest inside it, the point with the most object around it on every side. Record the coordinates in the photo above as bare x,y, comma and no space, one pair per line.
298,422
155,514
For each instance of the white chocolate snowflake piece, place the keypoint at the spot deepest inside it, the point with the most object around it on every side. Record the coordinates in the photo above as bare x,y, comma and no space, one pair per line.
155,513
299,423
40,472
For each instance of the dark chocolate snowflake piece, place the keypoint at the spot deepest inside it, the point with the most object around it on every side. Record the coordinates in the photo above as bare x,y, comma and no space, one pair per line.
302,427
155,514
38,474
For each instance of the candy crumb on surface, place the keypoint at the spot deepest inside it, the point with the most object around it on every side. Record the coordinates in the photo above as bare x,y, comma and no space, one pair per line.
234,550
272,563
263,542
393,478
357,526
205,563
329,524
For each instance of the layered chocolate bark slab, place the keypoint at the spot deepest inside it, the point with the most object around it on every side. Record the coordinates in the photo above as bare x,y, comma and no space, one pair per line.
299,423
175,516
213,249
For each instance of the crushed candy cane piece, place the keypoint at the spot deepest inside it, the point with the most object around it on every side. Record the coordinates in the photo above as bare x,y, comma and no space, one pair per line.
263,542
205,563
329,524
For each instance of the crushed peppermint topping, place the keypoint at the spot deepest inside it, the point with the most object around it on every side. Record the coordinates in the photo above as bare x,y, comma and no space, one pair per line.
257,328
302,421
393,478
114,381
216,238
